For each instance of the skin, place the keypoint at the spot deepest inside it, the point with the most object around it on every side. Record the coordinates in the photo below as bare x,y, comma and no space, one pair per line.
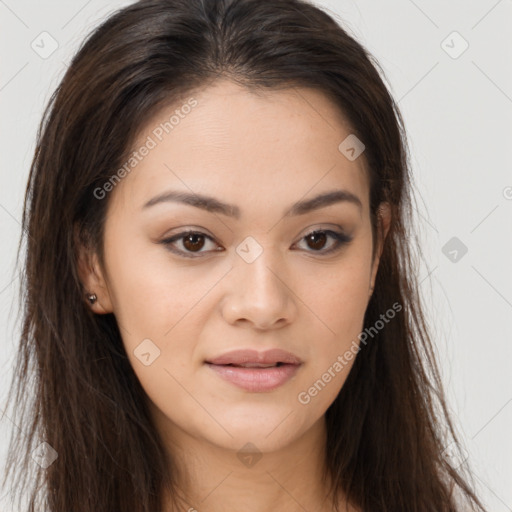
261,153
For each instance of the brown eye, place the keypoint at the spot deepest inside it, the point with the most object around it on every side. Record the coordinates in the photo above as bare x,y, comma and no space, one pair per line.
316,240
190,244
193,242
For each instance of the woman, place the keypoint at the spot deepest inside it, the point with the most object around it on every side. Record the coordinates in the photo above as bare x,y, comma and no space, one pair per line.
221,308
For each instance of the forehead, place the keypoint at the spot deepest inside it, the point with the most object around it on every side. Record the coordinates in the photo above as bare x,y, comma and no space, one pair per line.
225,140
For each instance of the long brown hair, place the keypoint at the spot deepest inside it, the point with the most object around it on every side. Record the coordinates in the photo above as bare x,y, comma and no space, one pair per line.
74,388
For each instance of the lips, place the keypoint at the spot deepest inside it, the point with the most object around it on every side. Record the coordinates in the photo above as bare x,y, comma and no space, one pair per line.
255,359
256,371
254,365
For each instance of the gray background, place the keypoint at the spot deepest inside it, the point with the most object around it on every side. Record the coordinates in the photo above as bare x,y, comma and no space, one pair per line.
457,110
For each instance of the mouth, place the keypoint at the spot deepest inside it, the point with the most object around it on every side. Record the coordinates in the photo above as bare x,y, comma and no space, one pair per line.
256,377
252,365
254,358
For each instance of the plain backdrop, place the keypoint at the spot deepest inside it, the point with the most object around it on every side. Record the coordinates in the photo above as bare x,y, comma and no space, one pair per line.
448,65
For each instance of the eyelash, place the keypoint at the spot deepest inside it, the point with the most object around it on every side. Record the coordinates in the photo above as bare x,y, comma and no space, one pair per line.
340,238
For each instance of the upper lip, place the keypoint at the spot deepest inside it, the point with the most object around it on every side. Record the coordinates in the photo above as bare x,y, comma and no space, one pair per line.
275,355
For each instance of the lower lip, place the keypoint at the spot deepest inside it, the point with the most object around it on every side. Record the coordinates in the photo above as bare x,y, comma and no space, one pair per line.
256,379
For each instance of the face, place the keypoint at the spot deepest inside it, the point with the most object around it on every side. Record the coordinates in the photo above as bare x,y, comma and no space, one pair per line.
265,267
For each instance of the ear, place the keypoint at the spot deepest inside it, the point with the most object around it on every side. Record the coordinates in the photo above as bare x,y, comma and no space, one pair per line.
92,276
384,222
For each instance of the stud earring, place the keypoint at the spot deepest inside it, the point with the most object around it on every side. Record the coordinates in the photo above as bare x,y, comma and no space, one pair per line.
92,297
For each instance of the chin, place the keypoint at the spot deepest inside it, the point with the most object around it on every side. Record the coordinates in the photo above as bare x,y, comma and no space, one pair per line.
269,430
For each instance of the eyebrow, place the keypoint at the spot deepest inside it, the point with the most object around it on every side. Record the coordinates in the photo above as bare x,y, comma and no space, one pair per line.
213,205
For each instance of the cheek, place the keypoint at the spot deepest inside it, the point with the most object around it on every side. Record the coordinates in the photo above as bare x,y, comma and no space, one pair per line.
152,293
338,297
337,304
345,302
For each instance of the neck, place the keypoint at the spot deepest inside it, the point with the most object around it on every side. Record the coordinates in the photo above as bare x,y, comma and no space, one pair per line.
216,478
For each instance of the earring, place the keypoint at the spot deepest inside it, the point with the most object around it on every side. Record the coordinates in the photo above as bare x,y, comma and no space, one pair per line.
92,297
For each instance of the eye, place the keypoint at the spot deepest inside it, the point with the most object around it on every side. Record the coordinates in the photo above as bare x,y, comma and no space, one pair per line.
191,241
317,240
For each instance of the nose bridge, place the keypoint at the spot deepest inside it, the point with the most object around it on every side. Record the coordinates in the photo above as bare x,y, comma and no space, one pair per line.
258,293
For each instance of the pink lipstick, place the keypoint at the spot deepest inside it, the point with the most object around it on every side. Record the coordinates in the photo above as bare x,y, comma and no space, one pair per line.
256,371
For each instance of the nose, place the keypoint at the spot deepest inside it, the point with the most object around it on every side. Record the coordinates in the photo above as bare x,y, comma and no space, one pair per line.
258,295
